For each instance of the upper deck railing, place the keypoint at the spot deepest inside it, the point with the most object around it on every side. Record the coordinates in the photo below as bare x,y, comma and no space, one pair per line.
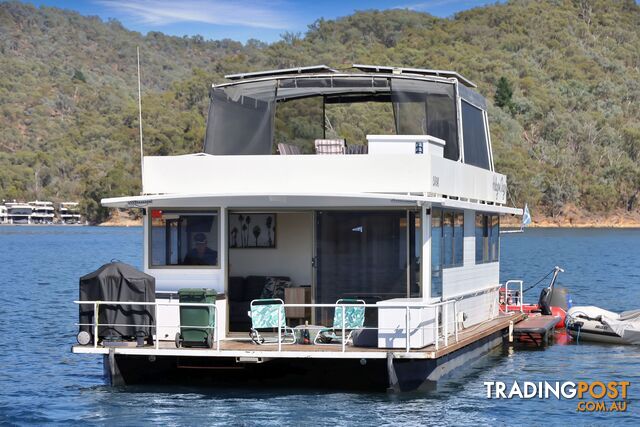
322,175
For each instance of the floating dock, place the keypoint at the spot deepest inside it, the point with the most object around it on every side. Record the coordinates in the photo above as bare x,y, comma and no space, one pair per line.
537,330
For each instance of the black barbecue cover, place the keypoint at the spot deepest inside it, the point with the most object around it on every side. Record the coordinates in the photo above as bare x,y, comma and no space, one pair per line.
117,281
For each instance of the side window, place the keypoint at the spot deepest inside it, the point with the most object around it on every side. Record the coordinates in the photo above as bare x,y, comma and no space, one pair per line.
474,136
447,245
487,238
436,253
184,238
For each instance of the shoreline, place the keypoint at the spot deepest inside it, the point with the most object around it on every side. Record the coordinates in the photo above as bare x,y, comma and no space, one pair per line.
507,222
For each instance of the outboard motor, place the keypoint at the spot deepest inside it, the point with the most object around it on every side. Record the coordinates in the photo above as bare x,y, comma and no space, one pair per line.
543,301
547,294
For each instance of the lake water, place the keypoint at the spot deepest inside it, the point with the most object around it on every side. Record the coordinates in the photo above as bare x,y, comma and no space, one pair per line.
42,382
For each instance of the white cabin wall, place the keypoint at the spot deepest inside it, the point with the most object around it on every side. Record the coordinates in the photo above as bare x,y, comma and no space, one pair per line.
291,257
469,278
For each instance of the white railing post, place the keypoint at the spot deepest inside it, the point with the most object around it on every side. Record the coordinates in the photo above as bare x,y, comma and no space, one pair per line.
215,327
407,335
455,319
437,327
95,324
280,328
344,338
506,297
157,343
445,317
521,297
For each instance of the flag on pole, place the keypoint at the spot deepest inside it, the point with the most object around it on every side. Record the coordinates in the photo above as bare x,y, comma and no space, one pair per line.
526,216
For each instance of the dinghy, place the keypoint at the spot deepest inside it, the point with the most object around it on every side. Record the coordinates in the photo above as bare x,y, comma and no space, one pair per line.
596,324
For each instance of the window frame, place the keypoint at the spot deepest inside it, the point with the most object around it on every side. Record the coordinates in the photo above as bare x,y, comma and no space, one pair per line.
487,236
487,135
181,211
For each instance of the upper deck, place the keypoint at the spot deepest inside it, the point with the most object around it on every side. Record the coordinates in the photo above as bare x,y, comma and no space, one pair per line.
398,131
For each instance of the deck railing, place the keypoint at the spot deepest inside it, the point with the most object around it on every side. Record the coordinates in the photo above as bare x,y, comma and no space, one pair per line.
442,332
96,324
513,297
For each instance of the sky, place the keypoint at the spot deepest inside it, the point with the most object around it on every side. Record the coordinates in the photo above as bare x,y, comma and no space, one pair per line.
264,20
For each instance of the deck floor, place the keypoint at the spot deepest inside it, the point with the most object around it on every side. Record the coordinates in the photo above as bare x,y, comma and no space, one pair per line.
237,348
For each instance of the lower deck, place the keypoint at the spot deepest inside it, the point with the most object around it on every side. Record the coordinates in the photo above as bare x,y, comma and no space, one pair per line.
246,351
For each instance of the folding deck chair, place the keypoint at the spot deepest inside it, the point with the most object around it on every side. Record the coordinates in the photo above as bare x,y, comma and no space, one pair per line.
330,146
264,315
353,319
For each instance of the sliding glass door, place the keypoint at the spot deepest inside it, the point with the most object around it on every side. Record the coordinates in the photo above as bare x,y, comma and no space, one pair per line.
368,255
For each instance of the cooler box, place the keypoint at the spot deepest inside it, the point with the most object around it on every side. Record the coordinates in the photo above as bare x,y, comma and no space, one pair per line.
196,323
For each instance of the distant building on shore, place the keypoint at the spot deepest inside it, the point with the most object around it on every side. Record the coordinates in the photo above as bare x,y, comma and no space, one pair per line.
39,212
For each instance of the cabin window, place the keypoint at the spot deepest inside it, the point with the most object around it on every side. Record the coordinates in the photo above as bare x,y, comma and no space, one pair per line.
447,244
487,238
476,150
184,239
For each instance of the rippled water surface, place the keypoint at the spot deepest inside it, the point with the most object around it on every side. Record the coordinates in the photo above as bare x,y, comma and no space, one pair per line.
42,382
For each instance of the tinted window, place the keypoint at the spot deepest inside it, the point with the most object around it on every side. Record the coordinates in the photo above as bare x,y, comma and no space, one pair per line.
447,245
474,135
487,238
180,238
436,253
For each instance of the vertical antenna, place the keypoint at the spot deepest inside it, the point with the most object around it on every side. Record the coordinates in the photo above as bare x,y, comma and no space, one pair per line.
140,122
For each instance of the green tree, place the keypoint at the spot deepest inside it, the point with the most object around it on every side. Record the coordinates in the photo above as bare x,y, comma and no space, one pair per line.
504,94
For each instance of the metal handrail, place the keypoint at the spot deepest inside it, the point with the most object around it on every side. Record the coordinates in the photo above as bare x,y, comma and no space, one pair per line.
506,295
407,307
441,331
155,304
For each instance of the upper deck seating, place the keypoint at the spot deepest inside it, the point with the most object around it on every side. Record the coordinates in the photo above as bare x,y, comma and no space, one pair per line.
330,146
288,149
357,149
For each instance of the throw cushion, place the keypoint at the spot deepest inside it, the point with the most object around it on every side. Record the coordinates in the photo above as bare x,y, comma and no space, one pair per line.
274,288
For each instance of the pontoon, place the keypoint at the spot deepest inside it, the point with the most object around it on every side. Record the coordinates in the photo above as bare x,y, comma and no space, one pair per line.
323,190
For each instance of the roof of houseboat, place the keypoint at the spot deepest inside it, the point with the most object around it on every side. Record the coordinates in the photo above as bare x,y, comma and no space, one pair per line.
369,69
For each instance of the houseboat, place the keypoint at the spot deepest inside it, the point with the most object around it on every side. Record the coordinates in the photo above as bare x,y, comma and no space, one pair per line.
4,219
69,213
42,213
323,190
19,213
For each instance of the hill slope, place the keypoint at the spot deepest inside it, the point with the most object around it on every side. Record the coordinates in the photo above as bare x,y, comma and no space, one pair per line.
570,134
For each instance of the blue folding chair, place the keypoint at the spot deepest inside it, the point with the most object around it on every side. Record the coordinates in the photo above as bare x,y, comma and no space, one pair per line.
264,315
353,319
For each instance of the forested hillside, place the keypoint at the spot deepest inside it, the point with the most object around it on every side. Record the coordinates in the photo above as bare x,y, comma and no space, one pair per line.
565,123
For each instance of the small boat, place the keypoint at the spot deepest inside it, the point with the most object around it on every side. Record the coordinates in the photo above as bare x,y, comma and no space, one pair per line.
596,324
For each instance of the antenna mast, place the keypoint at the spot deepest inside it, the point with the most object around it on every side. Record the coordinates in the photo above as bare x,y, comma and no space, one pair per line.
140,122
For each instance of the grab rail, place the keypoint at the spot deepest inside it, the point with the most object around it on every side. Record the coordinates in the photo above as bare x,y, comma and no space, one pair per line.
508,295
155,304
